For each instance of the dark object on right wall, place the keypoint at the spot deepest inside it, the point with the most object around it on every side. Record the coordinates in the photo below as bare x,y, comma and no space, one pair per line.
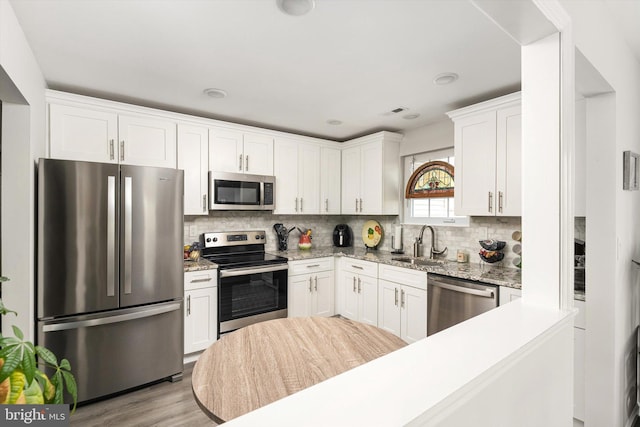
342,236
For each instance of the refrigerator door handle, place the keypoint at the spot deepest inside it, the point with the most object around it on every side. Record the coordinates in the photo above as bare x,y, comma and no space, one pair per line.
128,217
98,321
111,236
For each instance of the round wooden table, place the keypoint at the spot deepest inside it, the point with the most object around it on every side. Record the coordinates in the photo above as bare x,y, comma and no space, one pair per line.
266,361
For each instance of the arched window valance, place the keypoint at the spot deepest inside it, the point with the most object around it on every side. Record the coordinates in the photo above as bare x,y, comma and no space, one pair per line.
432,179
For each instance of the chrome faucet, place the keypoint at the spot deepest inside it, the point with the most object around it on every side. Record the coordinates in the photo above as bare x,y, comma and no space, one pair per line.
432,251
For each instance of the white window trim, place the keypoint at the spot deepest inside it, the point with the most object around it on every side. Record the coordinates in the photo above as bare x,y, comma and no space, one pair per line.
408,168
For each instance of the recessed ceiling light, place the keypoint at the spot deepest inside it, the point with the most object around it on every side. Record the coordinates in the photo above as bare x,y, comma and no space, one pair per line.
215,93
334,122
296,7
411,116
445,78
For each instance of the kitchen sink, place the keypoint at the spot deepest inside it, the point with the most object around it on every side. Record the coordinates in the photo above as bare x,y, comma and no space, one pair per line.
418,261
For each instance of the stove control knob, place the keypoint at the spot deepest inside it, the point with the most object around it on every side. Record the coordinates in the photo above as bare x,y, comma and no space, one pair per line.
215,239
208,239
257,237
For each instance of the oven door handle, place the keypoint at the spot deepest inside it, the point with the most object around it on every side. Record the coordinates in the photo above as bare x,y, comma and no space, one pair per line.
245,271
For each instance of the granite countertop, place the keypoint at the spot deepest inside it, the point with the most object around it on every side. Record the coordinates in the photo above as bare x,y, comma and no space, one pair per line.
201,264
496,275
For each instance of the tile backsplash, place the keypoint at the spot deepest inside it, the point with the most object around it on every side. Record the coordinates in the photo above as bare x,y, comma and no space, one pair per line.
455,238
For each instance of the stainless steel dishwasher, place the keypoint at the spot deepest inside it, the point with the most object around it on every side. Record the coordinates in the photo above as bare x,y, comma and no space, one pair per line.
451,301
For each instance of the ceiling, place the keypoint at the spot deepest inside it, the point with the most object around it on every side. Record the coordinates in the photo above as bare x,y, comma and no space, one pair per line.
347,60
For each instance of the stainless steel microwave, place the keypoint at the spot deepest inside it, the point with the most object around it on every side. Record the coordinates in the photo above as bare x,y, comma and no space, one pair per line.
238,191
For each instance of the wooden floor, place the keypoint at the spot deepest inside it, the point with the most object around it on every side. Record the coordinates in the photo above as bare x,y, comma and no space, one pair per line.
163,404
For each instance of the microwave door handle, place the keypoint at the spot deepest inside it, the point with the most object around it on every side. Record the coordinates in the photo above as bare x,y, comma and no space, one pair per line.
262,193
245,271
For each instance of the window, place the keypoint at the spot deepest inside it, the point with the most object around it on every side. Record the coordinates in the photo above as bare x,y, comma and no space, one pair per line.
432,210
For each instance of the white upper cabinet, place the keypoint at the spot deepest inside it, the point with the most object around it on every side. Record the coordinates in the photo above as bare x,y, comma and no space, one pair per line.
240,152
83,134
297,171
488,146
193,155
147,141
371,175
81,128
330,187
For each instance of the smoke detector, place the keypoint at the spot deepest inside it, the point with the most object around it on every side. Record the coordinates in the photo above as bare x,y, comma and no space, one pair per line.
215,93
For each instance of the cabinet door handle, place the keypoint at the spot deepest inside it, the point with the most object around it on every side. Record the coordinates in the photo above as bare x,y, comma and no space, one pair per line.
326,205
500,196
204,203
316,285
354,283
396,297
310,284
111,150
402,298
189,305
296,204
122,150
359,290
360,205
246,163
301,204
490,202
240,163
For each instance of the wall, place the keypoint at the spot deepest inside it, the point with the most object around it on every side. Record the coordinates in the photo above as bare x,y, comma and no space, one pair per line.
23,140
612,302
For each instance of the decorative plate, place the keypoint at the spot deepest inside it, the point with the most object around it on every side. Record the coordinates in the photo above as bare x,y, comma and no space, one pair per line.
371,233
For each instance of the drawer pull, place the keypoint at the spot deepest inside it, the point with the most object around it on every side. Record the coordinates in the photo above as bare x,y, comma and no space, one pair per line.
313,265
357,266
208,279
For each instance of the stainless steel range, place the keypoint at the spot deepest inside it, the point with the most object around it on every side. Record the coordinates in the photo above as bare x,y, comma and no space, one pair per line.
252,284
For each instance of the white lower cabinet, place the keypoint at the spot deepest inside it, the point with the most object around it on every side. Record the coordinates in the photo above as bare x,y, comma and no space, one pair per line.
200,310
508,294
402,308
358,289
311,288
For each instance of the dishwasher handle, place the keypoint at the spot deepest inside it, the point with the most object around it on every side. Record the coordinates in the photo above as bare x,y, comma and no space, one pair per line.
486,293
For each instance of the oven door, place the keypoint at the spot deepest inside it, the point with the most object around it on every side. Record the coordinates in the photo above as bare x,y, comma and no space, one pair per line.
251,294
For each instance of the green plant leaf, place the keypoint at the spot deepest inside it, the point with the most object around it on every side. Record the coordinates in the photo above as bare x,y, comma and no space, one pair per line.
47,355
57,382
18,381
12,360
48,388
28,364
4,310
33,394
17,332
64,364
72,388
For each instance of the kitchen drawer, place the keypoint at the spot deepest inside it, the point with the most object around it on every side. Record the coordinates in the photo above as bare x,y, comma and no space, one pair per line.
310,266
581,318
357,266
403,276
200,279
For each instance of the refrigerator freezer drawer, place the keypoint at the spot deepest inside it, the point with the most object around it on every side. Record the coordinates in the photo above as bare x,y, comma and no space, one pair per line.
120,349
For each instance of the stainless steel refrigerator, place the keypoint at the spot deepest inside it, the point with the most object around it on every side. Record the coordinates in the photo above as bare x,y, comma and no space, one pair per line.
110,273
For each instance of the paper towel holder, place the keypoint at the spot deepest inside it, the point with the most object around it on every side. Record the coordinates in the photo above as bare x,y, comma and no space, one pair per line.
396,241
